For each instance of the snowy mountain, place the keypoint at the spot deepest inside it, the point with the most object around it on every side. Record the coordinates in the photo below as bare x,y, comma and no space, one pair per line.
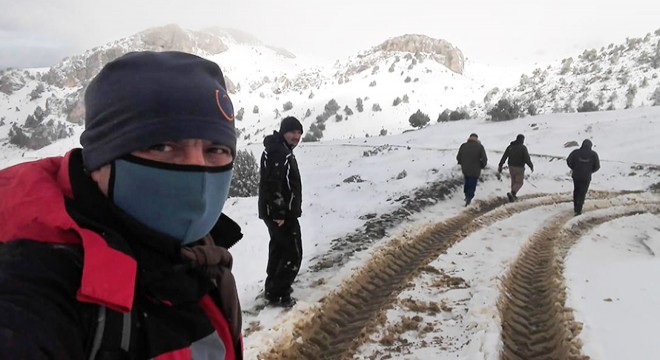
391,80
614,77
372,93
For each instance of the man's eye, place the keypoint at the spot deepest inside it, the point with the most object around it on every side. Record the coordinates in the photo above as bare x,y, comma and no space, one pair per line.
219,150
160,148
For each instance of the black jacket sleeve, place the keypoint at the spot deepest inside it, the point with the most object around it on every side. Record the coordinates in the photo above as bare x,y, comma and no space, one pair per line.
482,157
39,313
570,161
596,162
528,160
504,156
275,179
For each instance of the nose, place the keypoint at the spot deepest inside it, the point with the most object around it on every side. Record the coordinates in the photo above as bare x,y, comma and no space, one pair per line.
193,154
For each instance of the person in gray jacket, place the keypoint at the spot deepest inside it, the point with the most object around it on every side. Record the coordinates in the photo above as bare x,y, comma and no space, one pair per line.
472,158
583,162
518,156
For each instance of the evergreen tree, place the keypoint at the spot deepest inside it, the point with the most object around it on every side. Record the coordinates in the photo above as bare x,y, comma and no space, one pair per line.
245,179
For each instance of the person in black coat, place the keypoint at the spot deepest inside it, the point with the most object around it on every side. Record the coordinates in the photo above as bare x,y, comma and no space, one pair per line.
472,158
583,162
280,199
518,157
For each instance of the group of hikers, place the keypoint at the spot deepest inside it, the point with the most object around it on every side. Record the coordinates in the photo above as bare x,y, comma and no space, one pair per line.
472,158
119,249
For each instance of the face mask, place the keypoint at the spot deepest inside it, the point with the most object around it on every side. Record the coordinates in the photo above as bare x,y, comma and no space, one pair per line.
182,201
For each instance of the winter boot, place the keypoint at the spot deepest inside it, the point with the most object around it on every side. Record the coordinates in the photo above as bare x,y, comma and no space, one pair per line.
510,196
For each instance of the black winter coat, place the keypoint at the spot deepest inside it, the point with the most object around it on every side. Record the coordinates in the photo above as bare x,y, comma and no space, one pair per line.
583,162
517,154
280,187
472,158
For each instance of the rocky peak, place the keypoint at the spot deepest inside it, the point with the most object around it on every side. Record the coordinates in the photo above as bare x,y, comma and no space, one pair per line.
78,70
438,49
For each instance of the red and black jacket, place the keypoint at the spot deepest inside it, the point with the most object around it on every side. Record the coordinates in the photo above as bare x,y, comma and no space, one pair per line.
81,280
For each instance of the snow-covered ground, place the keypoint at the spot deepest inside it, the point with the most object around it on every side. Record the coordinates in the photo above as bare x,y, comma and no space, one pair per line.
610,272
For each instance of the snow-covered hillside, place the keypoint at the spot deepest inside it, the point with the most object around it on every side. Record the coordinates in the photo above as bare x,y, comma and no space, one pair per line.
617,76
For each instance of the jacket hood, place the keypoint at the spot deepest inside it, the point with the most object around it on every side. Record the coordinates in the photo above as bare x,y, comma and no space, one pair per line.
520,139
275,142
587,144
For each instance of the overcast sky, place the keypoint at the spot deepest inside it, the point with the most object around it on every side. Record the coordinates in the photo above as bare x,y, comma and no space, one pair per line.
41,32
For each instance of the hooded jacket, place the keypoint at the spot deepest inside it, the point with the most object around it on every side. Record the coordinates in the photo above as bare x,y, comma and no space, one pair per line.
280,187
472,157
81,280
517,154
583,161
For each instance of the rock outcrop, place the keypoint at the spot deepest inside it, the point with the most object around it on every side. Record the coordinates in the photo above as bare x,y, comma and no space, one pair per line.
439,50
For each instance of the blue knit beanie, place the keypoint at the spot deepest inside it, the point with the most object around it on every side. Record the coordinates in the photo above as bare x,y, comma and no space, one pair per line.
145,98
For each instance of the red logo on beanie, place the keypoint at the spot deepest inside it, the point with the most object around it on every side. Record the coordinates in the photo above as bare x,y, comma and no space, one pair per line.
224,104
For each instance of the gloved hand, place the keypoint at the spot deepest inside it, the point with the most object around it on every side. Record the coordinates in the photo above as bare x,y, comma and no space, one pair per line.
531,168
499,169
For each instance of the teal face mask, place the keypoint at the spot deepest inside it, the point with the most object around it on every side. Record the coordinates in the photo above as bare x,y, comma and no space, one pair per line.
182,201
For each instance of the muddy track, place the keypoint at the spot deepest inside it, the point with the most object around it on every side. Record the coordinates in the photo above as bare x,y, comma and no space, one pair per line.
337,326
535,322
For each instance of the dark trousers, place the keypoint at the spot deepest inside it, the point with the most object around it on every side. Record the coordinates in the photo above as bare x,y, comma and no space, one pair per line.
580,188
470,186
284,257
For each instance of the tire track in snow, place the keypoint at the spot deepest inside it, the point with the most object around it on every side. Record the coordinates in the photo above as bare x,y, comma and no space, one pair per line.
535,322
338,325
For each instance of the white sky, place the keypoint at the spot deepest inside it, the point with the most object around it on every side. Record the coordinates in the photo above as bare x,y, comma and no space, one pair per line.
41,32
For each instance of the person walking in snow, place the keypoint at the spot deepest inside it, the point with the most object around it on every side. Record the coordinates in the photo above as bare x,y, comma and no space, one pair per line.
472,158
583,162
119,250
280,199
518,156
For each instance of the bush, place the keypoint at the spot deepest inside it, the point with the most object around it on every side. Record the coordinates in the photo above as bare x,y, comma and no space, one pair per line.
372,84
383,132
419,119
287,106
458,114
588,106
36,93
396,101
376,107
313,134
255,109
359,105
630,96
338,118
405,98
655,97
308,113
331,107
505,110
239,114
444,116
245,179
407,80
348,111
532,110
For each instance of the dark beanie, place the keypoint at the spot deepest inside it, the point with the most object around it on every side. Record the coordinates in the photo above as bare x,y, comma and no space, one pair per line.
145,98
290,123
520,137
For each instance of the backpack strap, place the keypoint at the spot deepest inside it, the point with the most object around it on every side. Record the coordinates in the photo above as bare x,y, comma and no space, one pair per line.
112,336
